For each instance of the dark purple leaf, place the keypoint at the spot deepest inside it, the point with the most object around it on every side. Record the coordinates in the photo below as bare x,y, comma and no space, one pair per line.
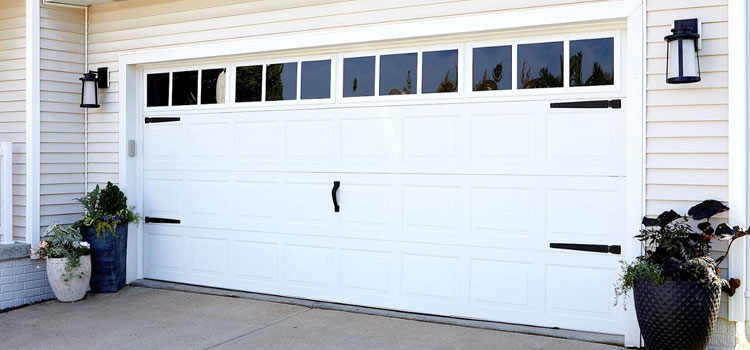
648,222
724,232
707,209
666,217
706,228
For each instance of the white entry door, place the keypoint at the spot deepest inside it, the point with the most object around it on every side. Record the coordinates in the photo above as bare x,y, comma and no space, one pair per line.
447,209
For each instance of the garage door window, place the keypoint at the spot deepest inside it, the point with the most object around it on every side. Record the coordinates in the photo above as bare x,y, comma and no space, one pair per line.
592,62
440,71
359,76
491,68
540,65
185,88
213,86
157,90
249,84
281,82
316,80
398,74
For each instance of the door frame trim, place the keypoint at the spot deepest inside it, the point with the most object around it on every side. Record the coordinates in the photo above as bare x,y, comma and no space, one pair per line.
632,11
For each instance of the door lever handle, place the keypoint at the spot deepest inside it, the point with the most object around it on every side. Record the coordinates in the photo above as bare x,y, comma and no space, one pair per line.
334,191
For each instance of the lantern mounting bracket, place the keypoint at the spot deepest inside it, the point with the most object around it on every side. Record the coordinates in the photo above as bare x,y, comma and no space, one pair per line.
692,23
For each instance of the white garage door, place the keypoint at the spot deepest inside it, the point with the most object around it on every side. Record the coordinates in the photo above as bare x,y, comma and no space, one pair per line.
447,205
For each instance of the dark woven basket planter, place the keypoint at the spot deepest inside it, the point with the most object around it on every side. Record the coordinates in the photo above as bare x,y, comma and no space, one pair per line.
108,259
676,315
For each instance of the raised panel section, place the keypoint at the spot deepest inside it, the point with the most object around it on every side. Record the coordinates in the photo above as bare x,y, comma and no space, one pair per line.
501,210
256,201
256,141
430,278
208,255
309,140
366,271
501,138
308,203
367,140
366,206
501,284
580,291
580,137
207,198
564,208
163,197
164,252
431,138
162,142
431,209
308,267
207,141
255,261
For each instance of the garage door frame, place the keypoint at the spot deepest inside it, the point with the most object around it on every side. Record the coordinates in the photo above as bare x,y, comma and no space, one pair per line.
130,66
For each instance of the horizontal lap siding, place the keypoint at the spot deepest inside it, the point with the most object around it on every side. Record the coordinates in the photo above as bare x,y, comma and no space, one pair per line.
687,125
62,119
145,24
12,101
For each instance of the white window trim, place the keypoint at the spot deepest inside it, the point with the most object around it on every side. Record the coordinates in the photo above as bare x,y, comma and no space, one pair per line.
633,11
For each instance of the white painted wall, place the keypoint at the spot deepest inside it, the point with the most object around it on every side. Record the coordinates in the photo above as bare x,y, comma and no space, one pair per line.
12,100
62,120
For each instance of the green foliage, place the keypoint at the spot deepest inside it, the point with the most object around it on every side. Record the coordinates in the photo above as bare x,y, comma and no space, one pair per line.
674,251
60,241
105,209
639,269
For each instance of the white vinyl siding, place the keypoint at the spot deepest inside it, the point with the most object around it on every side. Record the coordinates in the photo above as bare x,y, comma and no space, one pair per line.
13,99
687,125
62,120
149,24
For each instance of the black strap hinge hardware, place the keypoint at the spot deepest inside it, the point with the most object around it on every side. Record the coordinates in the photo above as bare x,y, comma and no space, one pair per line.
616,104
152,220
595,248
151,120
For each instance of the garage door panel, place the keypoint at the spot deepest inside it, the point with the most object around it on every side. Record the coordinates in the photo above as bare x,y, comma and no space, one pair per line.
478,282
489,138
446,208
493,211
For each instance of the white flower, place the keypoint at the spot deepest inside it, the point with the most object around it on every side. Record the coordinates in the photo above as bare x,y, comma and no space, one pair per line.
85,245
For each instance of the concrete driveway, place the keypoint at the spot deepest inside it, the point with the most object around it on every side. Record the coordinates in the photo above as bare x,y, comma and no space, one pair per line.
144,318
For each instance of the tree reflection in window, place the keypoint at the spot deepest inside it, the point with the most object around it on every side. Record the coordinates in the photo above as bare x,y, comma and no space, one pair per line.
396,74
488,68
249,83
598,54
434,63
281,82
541,65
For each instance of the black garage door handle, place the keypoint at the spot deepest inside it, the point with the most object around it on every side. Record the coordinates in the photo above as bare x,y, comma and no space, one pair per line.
336,185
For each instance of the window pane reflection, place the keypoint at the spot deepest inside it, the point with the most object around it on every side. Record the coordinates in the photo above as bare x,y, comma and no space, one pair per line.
359,76
398,74
440,71
157,86
185,88
492,68
213,86
281,82
540,65
248,85
592,62
316,79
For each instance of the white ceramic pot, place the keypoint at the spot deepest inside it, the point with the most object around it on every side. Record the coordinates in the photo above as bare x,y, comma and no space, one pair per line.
78,279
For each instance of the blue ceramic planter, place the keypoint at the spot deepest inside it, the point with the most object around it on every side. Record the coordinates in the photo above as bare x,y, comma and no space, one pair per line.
108,259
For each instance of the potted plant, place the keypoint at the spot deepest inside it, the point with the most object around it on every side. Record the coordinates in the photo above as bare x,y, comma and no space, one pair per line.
676,284
105,226
68,261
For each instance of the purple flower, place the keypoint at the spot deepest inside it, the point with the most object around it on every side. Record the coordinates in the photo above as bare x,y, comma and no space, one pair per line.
106,217
117,217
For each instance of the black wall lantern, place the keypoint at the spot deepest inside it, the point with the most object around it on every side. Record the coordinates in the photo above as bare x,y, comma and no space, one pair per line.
683,65
91,81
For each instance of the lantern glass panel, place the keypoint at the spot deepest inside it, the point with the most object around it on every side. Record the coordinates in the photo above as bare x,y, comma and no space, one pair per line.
89,93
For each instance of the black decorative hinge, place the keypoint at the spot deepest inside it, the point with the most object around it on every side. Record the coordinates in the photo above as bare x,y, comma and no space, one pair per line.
151,120
595,248
152,220
616,104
